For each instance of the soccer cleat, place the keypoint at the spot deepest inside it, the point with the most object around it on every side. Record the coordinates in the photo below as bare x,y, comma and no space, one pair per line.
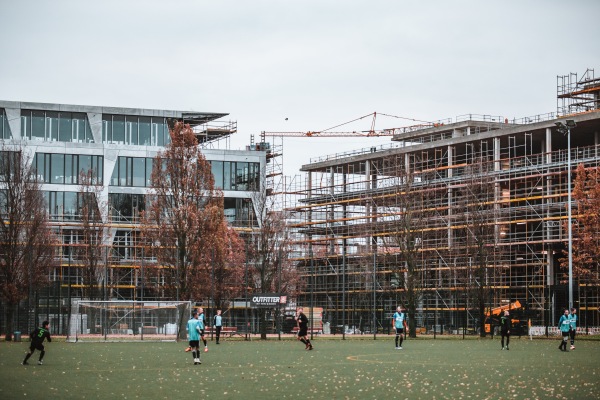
310,347
24,363
40,362
195,361
206,349
397,348
572,347
188,349
400,348
507,348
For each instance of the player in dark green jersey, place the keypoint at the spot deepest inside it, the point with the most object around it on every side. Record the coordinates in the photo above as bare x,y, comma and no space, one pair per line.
505,326
37,337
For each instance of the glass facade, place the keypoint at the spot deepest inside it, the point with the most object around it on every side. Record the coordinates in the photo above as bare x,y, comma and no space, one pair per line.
126,207
65,168
54,126
8,161
229,175
4,128
239,212
62,205
236,175
135,130
132,171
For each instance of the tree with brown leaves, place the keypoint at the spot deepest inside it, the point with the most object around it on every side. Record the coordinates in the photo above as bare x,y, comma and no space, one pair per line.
184,217
26,239
586,241
221,278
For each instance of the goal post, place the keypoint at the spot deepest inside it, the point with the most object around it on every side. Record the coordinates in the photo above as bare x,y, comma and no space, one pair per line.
128,321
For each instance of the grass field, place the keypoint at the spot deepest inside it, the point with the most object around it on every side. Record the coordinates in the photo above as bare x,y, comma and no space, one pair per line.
335,369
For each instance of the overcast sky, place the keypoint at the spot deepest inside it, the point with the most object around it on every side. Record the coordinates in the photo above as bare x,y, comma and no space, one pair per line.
316,63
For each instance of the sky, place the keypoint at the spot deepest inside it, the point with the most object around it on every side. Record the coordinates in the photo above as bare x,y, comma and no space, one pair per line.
299,65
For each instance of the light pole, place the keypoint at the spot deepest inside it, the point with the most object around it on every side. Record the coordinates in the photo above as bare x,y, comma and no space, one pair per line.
566,128
312,284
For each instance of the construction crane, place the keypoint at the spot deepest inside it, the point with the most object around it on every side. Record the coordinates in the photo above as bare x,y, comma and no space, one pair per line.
370,133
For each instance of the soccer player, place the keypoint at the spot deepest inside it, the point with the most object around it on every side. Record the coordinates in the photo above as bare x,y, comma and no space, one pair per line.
202,320
399,323
218,324
564,324
193,330
505,326
37,337
573,319
302,322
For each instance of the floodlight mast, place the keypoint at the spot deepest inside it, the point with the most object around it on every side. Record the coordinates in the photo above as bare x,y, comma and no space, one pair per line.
565,128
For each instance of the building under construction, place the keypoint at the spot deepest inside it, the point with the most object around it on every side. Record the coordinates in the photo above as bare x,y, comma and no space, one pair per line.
457,209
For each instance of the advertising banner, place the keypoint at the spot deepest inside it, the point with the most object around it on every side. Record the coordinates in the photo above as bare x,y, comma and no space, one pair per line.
267,300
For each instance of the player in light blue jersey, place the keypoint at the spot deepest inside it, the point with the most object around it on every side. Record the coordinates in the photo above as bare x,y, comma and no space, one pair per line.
564,324
399,323
573,321
193,330
218,324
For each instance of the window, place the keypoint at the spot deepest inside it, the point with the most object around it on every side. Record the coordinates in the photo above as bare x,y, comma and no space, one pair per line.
4,127
125,207
55,126
239,212
231,175
65,168
135,130
132,171
217,171
8,162
63,205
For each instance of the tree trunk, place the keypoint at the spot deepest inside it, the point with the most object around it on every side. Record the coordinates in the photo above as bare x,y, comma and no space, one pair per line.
10,312
481,314
262,313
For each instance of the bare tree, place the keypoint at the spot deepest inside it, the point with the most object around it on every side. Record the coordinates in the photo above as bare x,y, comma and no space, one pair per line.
476,237
93,234
406,219
183,214
269,247
26,239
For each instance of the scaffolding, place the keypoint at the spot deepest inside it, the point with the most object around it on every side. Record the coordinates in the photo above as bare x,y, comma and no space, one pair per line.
352,247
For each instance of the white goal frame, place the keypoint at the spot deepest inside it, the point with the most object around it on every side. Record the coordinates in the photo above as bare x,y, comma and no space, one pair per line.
128,321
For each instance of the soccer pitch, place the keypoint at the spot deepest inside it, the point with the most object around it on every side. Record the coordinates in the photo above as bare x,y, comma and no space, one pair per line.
335,369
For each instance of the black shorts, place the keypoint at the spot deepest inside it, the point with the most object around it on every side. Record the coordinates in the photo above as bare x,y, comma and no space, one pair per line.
302,332
201,332
399,331
505,333
194,343
36,346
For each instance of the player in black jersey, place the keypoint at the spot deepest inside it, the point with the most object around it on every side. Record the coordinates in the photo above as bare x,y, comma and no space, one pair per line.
37,339
302,322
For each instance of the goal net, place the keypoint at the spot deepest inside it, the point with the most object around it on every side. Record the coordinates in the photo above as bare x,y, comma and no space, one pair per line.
123,320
